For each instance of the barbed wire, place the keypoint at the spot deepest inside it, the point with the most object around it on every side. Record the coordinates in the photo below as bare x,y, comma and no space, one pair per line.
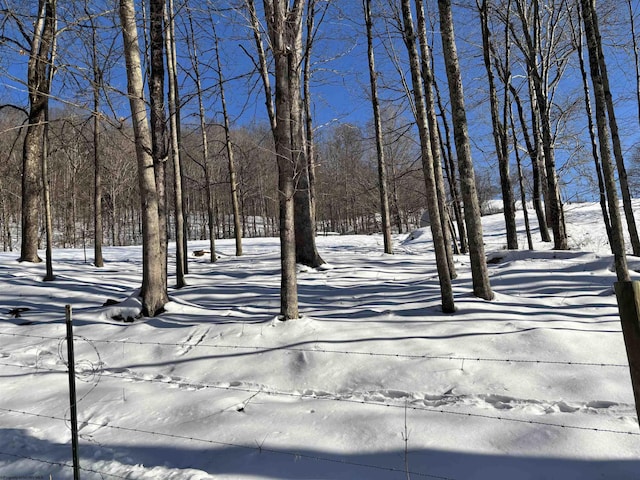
364,401
36,367
268,349
260,448
60,464
343,399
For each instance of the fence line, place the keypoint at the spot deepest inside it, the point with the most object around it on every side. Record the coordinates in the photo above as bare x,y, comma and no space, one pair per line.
260,448
355,398
264,349
356,401
302,396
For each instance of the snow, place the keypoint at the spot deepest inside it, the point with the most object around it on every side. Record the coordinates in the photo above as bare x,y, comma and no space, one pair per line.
373,382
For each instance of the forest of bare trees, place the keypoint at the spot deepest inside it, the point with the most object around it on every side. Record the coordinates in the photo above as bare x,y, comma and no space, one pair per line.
128,122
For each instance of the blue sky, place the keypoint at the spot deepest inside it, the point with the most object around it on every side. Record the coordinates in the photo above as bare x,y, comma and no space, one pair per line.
340,86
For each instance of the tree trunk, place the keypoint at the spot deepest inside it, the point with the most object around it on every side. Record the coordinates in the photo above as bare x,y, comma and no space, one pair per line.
523,195
306,75
210,207
597,78
284,24
49,276
154,287
592,136
434,134
304,224
382,167
533,150
96,84
553,201
499,131
47,203
38,85
615,138
181,259
450,169
305,229
479,271
159,134
409,36
233,181
636,54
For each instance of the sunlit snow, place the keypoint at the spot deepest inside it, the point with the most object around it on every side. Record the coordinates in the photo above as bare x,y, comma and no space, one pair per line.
373,382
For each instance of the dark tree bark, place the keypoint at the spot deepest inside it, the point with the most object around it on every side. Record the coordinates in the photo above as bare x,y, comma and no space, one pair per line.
479,271
500,135
174,131
46,191
233,180
375,103
308,116
96,85
38,83
158,117
589,19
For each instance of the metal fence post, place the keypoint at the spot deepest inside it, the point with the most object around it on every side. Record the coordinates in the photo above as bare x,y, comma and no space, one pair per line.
72,394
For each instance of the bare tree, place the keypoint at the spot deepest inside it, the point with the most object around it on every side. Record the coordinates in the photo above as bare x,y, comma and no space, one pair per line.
596,62
577,32
154,287
284,24
233,180
444,274
38,82
375,103
304,227
450,168
532,50
96,85
174,136
434,134
636,53
46,191
534,151
615,138
306,87
158,118
523,195
479,272
204,145
500,135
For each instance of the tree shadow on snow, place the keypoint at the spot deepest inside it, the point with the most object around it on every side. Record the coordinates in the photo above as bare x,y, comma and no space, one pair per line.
48,458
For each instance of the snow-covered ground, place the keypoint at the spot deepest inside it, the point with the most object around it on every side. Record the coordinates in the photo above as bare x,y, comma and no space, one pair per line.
374,382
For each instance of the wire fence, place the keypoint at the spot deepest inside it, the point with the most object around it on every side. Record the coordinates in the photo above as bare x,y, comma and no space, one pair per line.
258,448
92,372
291,348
